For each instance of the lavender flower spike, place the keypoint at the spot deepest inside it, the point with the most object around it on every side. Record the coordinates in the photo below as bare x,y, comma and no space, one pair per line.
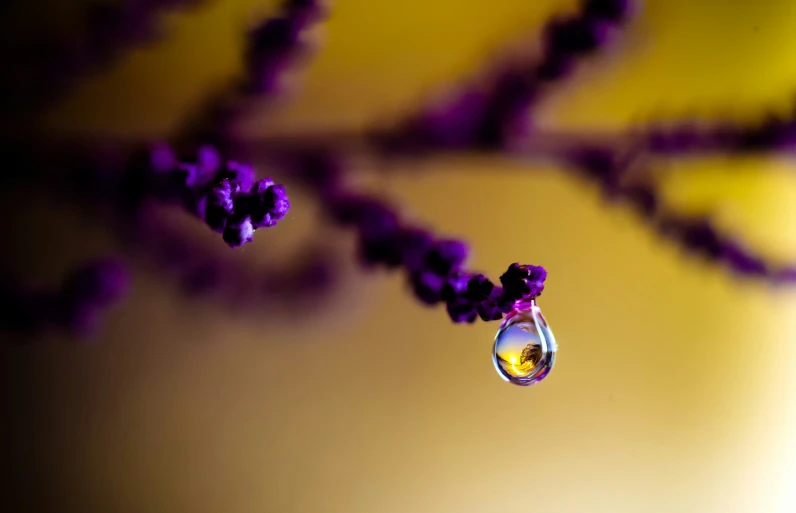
224,195
434,266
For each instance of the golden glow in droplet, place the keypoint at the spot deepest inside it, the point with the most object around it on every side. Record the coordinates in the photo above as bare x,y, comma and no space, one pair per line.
524,349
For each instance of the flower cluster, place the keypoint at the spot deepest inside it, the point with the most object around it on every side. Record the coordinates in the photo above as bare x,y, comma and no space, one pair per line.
434,266
225,195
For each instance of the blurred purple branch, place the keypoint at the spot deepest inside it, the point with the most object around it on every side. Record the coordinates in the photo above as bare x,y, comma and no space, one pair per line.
75,306
434,266
40,74
620,183
618,170
493,110
772,134
680,140
272,49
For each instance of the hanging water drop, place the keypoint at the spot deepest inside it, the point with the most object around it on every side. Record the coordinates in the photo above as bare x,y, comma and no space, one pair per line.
525,348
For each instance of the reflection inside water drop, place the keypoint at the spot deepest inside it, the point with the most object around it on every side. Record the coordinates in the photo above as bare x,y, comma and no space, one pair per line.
525,348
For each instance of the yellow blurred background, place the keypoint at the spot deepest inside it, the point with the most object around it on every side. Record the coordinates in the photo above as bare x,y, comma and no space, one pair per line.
673,389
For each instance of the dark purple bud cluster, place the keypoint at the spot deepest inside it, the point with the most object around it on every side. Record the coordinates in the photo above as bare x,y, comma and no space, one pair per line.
616,11
772,133
686,138
601,165
489,115
276,44
224,195
434,267
76,306
569,37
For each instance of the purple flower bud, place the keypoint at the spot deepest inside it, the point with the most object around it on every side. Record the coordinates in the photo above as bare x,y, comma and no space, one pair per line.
523,282
269,203
461,310
488,310
273,36
209,160
479,288
452,123
163,158
701,236
600,164
609,10
455,286
168,178
507,112
307,10
774,132
446,256
275,198
555,66
238,231
427,287
643,197
742,262
261,218
273,46
189,175
238,173
261,186
413,243
504,302
220,202
380,248
575,36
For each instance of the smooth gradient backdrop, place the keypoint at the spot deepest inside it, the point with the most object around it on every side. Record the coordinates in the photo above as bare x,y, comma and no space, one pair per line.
673,389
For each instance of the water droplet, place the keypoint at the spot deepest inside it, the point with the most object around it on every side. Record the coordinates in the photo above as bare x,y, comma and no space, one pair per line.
525,348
